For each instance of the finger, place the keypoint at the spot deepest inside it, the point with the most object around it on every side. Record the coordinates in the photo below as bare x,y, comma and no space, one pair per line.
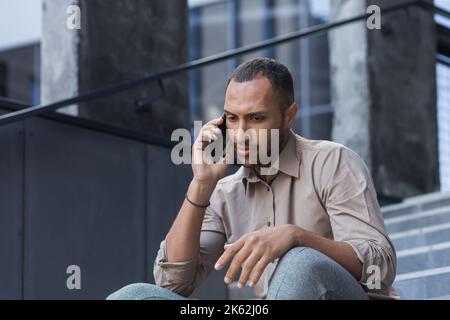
238,260
206,128
258,270
202,137
212,130
210,127
230,251
216,130
247,268
215,121
209,136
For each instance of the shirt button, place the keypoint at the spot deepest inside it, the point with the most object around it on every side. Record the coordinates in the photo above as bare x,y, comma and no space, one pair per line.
268,223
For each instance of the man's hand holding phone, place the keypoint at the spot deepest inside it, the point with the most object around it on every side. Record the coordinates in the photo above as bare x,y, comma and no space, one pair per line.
203,168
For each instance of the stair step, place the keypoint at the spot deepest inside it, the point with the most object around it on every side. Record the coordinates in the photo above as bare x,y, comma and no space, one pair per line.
419,219
416,204
421,236
425,284
423,258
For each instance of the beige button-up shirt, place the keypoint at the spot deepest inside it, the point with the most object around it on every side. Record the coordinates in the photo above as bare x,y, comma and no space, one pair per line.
323,187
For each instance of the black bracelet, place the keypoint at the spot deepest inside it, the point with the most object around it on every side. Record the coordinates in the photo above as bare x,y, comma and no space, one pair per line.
196,205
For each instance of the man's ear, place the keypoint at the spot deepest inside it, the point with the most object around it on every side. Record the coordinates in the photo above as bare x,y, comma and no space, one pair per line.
290,114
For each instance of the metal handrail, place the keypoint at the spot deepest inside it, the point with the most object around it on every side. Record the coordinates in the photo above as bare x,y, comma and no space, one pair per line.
94,125
114,89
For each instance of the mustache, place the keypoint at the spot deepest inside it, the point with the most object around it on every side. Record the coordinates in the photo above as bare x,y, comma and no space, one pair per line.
245,146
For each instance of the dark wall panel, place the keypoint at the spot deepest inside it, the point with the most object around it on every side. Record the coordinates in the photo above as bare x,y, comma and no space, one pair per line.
85,206
11,199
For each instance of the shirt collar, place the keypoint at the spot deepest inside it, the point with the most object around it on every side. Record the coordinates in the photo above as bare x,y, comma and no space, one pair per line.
289,162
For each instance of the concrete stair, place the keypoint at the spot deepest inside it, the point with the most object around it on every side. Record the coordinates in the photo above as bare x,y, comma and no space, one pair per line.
420,230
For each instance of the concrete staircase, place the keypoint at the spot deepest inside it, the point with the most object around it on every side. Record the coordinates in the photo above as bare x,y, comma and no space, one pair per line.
420,230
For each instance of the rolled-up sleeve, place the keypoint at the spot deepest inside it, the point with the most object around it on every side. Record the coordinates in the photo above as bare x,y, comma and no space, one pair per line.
185,276
351,202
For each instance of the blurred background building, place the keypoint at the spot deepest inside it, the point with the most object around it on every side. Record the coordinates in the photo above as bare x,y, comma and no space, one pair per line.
93,185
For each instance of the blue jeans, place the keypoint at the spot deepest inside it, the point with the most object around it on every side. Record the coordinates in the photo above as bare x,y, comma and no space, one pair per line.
301,274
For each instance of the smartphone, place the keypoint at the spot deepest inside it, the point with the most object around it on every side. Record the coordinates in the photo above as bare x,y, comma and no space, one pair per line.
223,128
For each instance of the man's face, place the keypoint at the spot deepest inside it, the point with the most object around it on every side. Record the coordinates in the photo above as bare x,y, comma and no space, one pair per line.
253,105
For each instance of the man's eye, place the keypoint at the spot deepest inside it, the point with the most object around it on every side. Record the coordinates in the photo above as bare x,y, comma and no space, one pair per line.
231,118
258,118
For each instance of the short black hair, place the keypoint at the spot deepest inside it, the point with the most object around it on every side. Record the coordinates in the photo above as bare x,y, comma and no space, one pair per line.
278,75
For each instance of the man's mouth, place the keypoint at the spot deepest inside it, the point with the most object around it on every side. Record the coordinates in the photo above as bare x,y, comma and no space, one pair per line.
245,151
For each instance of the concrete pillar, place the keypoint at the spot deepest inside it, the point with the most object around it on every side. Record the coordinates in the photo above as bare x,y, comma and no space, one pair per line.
118,41
384,95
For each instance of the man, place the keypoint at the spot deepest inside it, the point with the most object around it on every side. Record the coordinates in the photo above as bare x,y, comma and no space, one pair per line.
313,230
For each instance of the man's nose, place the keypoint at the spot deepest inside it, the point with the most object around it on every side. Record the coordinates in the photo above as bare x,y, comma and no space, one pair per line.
242,126
245,136
240,136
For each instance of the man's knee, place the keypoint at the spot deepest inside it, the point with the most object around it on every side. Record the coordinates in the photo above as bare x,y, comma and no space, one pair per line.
311,264
306,265
143,291
305,273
